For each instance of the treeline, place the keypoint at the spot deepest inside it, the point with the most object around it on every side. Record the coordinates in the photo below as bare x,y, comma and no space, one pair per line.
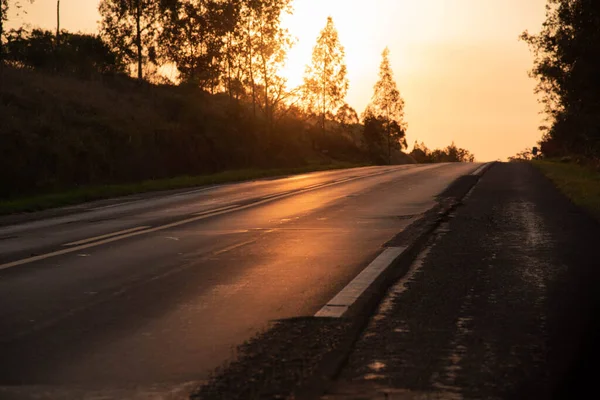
567,61
452,153
81,55
228,105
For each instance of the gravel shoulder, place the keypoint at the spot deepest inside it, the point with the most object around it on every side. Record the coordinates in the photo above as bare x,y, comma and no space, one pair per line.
503,304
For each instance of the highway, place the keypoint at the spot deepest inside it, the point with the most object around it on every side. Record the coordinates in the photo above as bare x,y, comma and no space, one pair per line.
158,290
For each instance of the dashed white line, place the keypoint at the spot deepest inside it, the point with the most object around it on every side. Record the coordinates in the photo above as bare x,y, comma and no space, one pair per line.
93,239
226,208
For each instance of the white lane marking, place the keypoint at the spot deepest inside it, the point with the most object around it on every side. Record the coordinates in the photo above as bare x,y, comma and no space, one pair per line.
93,239
199,217
217,210
126,203
339,305
480,169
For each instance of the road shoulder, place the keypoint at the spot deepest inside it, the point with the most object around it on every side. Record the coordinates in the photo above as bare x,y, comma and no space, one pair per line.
502,304
302,356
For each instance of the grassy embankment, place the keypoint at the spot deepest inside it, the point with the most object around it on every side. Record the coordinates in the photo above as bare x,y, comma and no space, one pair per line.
580,183
91,193
66,140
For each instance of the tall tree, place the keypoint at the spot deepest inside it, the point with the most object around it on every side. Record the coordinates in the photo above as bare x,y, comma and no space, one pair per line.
260,45
231,68
567,61
271,45
388,105
325,81
193,37
131,28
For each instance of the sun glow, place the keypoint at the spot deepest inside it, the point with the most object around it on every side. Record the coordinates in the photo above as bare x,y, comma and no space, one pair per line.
364,32
458,63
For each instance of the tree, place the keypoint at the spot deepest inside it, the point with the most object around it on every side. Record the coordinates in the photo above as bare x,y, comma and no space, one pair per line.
325,82
262,48
5,6
131,28
388,105
80,54
346,116
452,153
377,130
193,37
420,153
524,155
3,19
566,64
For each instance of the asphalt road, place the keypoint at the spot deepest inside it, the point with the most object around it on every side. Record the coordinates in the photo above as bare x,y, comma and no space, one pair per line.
159,290
502,304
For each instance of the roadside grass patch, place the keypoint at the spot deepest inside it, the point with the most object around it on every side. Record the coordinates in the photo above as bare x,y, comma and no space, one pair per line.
580,183
91,193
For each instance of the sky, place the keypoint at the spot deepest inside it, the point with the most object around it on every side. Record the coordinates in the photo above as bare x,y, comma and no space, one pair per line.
459,64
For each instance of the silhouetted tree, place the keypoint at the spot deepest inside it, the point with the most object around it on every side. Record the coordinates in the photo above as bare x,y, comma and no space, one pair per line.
131,28
377,131
193,36
325,82
567,61
261,51
5,6
452,153
524,155
388,105
231,75
80,54
347,115
3,19
420,153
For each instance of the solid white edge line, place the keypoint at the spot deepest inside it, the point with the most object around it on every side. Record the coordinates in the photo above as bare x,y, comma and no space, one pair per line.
339,305
480,169
93,239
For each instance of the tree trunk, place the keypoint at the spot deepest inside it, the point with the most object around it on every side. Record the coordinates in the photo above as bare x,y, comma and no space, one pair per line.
389,134
323,97
265,73
57,24
251,69
229,90
389,145
1,32
138,38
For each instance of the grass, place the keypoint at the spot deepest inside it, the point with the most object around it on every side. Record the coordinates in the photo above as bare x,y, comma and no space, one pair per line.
581,184
91,193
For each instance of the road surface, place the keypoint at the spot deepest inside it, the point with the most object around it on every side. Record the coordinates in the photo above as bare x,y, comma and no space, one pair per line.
158,291
503,304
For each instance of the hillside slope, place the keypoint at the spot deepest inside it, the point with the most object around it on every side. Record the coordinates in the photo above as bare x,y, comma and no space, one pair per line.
60,132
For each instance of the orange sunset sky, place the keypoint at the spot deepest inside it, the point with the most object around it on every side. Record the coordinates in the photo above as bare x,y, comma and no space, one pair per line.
459,64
